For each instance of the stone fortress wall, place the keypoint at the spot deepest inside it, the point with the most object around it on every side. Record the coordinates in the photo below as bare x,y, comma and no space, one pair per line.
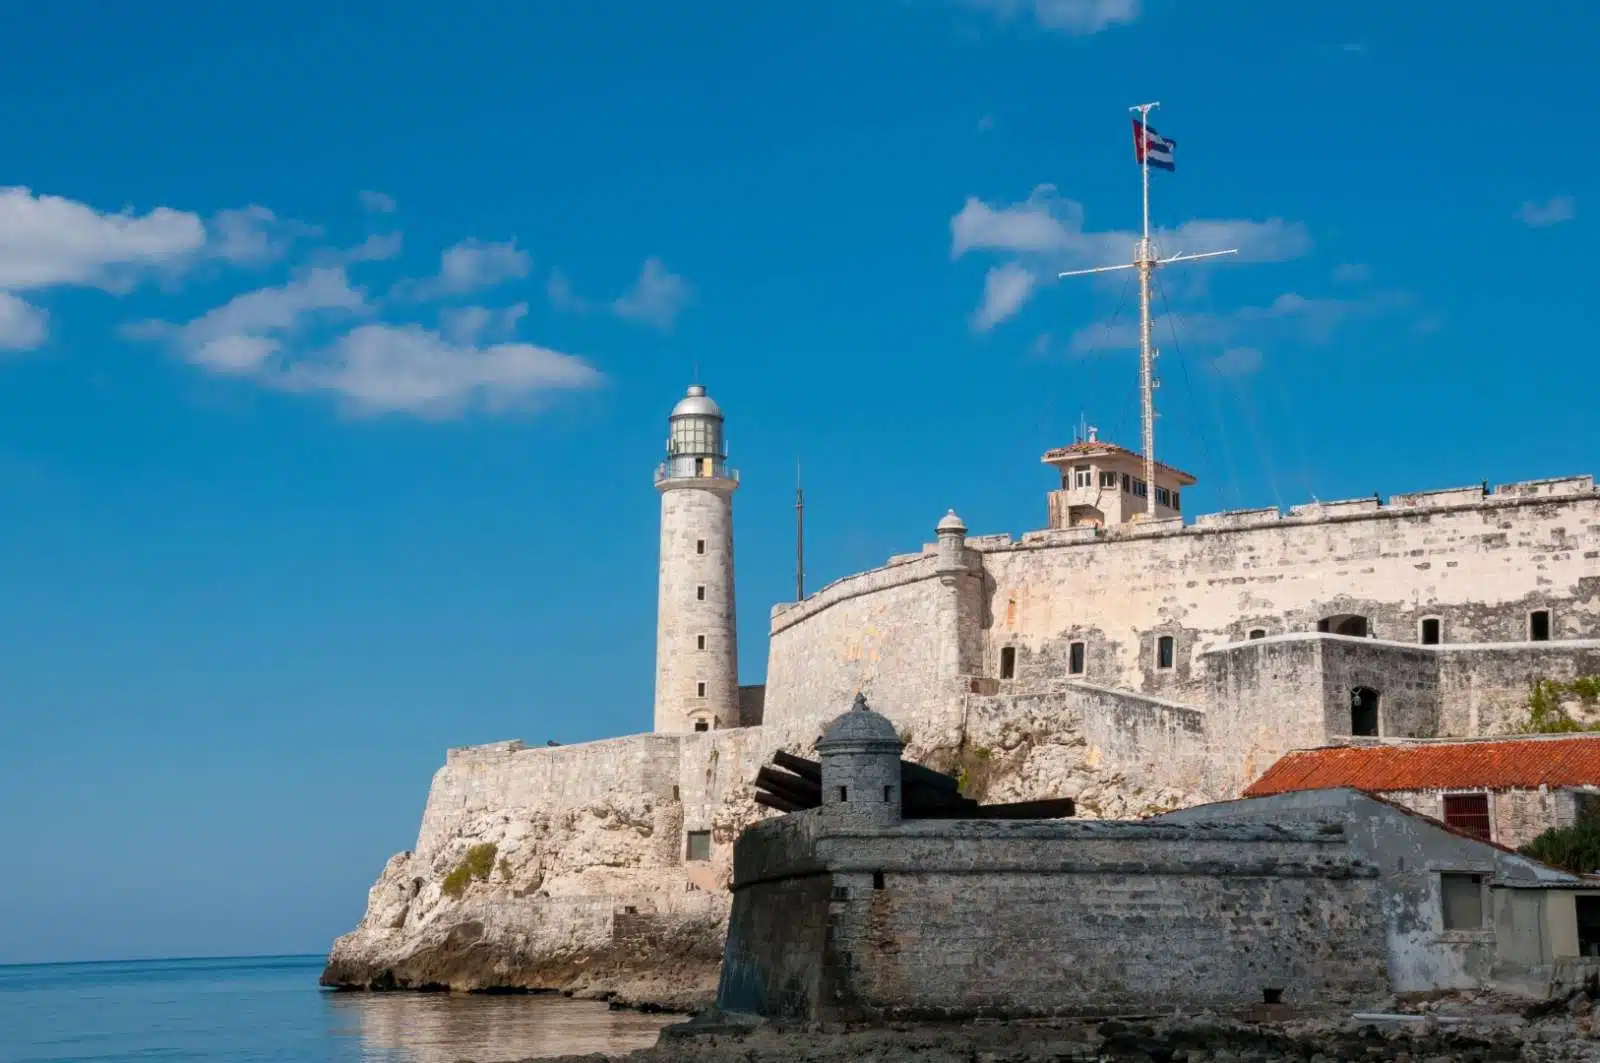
617,853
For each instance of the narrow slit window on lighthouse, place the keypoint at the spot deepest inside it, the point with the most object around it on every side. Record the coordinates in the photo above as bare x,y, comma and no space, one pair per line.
699,546
700,593
699,690
1164,648
699,642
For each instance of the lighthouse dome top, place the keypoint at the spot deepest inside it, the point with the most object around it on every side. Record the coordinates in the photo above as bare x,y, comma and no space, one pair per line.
696,403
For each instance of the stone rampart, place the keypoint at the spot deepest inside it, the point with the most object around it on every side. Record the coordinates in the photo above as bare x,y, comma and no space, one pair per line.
970,918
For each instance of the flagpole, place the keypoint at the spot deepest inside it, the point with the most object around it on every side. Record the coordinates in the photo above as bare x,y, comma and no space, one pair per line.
1147,265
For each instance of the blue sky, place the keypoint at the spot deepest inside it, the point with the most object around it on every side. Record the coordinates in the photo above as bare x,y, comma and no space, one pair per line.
337,347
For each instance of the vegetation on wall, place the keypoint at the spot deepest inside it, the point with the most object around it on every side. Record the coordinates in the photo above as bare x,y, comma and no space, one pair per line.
1575,848
477,864
1546,705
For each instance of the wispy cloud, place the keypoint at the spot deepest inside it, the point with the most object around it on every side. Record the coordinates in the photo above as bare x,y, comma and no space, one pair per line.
1005,288
376,202
470,266
1290,316
559,291
254,235
1045,234
1553,211
1351,273
47,241
242,335
464,325
23,326
1236,361
1080,17
408,369
656,298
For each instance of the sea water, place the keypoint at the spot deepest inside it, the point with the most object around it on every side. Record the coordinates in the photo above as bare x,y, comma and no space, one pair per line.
269,1010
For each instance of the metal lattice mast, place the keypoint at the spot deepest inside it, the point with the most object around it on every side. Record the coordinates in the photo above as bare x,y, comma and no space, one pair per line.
1146,262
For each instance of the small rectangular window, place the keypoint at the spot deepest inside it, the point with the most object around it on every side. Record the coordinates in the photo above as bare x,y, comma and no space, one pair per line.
1175,505
1469,814
1539,625
888,794
1008,662
1082,477
1161,496
844,794
702,725
699,642
1461,897
699,546
1108,479
698,846
877,880
1430,631
699,690
1127,482
700,593
1258,633
1164,651
1075,657
839,893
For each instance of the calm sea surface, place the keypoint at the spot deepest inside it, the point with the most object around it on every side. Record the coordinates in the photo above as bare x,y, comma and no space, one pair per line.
269,1010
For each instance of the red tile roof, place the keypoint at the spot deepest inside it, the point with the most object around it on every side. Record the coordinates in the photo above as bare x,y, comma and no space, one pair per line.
1099,448
1503,764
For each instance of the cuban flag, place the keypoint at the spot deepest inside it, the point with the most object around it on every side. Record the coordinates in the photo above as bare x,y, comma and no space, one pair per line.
1151,147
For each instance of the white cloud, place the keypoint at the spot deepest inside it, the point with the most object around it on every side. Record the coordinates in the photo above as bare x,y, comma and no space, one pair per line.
1045,234
1552,211
1289,316
254,235
48,240
378,247
1351,273
1005,289
470,266
243,334
562,297
376,202
408,369
471,324
22,325
1236,361
1080,17
657,297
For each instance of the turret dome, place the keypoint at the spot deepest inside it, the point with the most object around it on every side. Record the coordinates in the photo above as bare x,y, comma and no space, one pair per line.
950,525
696,404
859,726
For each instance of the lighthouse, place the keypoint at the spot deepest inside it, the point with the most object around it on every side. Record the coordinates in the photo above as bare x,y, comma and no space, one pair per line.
697,658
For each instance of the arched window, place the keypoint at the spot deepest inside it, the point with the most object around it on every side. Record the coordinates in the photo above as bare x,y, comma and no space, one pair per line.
1364,712
1165,651
1344,624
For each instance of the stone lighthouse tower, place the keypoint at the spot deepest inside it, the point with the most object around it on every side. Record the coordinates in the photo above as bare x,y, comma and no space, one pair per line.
697,658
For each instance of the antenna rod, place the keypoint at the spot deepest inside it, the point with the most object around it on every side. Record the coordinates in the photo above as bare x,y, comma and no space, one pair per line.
799,537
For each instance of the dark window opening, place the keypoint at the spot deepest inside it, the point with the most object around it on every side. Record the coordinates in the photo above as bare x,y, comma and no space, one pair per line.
1258,633
888,793
699,546
877,880
1469,814
840,893
630,910
1164,651
1364,712
699,690
1008,662
700,593
1430,631
701,725
1271,996
698,845
1108,479
844,793
1175,500
1461,898
1344,624
1588,925
1075,653
675,793
1539,625
699,642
